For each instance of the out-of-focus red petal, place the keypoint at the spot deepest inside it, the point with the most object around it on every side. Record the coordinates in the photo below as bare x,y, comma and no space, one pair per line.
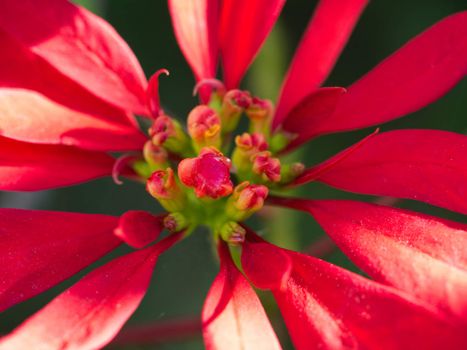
20,68
423,255
326,35
327,307
81,46
233,317
28,116
31,167
244,26
416,75
195,24
42,248
90,313
138,228
312,110
425,165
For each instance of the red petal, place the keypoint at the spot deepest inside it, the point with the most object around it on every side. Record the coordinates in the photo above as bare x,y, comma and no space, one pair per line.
312,110
138,228
267,273
29,167
81,46
244,26
327,307
416,75
20,68
315,172
28,116
195,25
321,45
90,313
425,165
233,317
41,248
420,254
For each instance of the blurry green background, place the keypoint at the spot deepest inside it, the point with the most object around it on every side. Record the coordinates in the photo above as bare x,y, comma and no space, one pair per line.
183,275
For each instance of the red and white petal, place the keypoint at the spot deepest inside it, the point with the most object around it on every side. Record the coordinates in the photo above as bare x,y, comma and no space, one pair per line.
196,26
325,37
327,307
419,73
90,313
424,165
233,317
19,68
26,115
420,254
81,46
42,248
31,167
244,26
138,228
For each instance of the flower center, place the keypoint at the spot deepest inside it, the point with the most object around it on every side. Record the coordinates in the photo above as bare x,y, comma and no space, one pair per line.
191,175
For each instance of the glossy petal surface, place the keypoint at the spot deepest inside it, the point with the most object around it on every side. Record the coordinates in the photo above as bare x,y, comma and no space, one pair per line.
28,116
42,248
416,75
90,313
244,26
325,37
81,46
423,255
425,165
30,167
233,317
327,307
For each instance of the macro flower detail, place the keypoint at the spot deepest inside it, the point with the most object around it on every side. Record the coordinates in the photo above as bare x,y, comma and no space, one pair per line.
75,106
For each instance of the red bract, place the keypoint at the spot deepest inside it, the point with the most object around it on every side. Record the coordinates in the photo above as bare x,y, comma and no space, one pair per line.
69,90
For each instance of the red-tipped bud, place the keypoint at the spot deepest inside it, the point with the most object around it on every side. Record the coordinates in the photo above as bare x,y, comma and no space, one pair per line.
175,222
204,127
233,233
155,156
247,146
260,113
167,132
249,197
246,200
259,109
162,128
290,172
251,143
233,105
208,174
163,186
269,168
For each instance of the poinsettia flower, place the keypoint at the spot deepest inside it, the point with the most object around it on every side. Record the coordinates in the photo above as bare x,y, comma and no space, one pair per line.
60,129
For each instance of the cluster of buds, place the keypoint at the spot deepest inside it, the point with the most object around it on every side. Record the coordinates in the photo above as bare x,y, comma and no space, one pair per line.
251,158
202,189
